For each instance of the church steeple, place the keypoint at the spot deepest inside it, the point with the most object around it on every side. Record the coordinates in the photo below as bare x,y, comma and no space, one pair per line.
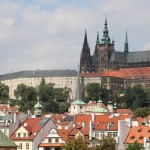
85,63
105,39
78,87
126,49
85,39
97,40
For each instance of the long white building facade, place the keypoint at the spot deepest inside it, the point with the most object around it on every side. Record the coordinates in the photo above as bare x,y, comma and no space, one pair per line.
61,79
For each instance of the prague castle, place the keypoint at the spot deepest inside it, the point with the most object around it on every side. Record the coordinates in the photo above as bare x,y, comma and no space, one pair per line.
105,56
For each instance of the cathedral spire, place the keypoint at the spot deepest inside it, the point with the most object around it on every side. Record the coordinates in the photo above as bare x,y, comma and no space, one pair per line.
85,39
97,40
105,39
78,87
126,49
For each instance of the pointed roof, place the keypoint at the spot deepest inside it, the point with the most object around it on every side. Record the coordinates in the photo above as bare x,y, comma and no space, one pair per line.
38,105
99,101
78,97
105,39
78,87
85,39
126,43
5,141
97,40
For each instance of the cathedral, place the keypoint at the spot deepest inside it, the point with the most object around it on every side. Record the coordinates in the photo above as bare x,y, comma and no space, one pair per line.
106,58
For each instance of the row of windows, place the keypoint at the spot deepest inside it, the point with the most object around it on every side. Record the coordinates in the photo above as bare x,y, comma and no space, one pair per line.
20,146
101,134
56,140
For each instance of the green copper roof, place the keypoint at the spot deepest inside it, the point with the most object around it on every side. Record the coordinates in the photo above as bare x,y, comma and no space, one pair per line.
99,109
38,105
78,102
126,43
115,105
105,39
99,101
5,141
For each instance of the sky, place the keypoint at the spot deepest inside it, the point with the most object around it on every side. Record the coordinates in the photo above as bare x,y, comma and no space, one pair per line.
49,34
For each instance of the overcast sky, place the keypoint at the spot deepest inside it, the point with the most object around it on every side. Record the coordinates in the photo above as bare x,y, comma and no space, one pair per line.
48,34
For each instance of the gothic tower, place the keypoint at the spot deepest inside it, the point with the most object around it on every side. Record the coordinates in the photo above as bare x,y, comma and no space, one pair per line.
126,48
85,63
103,50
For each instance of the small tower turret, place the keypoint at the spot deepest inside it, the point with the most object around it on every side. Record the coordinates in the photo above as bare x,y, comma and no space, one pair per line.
38,110
109,104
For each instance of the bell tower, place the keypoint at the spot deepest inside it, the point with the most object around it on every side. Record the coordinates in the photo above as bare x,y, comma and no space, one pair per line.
103,50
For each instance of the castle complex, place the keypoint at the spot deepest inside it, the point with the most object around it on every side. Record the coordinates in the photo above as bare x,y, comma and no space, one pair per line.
106,58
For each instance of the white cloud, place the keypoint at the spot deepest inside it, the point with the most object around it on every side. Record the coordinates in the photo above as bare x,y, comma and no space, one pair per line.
33,37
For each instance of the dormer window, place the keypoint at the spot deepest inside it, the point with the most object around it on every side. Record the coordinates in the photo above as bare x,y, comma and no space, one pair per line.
49,140
24,134
18,134
132,137
141,137
139,130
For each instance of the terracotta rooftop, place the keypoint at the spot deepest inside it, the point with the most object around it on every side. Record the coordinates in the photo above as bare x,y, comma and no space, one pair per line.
83,118
33,126
124,111
128,72
137,134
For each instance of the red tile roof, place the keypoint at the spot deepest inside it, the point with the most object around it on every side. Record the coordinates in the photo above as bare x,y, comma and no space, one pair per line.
83,118
31,125
109,73
128,72
64,133
124,111
80,128
137,134
125,72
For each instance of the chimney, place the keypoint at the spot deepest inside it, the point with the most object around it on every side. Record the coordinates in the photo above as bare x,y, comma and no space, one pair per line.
93,116
15,117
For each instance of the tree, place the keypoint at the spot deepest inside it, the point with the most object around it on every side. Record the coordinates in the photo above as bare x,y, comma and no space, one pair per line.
134,146
24,92
142,112
94,91
106,143
136,97
27,96
46,91
4,93
75,144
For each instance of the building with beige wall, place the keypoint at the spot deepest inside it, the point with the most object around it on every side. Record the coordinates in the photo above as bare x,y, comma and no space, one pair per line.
61,79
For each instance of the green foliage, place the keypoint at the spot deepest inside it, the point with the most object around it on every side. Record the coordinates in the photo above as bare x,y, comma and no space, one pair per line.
4,93
46,91
136,97
75,144
134,146
27,96
106,143
142,112
94,91
26,93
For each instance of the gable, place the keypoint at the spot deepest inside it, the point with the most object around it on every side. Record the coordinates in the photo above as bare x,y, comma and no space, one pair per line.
53,133
22,129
